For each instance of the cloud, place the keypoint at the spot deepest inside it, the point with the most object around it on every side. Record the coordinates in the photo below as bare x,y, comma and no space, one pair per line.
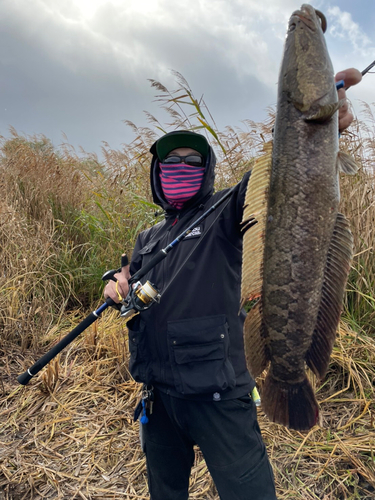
69,71
344,28
81,66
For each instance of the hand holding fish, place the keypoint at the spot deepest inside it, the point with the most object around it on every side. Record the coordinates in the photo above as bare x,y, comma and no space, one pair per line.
351,77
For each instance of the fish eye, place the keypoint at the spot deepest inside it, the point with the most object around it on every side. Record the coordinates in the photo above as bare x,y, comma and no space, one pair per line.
292,27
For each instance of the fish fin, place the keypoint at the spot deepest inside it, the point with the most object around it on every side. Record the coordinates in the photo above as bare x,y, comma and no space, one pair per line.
254,226
322,113
346,163
267,146
256,352
335,276
292,405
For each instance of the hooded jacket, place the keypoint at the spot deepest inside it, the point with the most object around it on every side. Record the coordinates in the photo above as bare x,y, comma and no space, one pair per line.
190,345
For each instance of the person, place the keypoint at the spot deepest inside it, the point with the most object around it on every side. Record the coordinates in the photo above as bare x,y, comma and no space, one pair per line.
188,349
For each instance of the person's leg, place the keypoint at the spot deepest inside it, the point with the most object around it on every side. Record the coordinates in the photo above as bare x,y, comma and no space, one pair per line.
228,435
169,454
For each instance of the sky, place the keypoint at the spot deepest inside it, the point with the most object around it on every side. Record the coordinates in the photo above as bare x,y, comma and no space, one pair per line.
80,68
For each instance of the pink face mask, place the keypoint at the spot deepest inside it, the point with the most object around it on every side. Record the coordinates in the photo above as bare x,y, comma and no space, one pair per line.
180,182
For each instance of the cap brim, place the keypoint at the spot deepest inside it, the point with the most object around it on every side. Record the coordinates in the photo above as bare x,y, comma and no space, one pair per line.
181,139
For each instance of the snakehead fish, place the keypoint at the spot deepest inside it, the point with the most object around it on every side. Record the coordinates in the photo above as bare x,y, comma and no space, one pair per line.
297,247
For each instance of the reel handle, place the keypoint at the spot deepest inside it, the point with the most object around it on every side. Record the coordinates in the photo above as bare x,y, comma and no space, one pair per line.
109,275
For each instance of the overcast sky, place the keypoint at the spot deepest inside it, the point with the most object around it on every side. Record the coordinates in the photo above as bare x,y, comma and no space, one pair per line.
81,67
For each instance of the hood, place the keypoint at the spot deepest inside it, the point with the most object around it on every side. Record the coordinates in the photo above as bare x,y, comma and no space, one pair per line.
205,190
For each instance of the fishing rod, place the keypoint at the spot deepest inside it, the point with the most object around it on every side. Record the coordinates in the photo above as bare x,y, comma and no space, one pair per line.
370,66
140,297
341,84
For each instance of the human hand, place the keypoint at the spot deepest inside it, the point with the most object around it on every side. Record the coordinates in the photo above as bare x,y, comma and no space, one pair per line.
121,287
351,77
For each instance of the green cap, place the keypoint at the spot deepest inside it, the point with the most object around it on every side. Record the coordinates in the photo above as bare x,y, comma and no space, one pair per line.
181,139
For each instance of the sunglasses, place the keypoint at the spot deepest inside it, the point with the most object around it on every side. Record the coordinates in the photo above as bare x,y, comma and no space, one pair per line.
193,160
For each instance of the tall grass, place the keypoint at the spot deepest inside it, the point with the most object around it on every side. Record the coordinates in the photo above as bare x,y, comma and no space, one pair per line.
358,203
65,218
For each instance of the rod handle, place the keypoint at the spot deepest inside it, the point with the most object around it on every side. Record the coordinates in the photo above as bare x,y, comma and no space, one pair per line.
24,378
54,351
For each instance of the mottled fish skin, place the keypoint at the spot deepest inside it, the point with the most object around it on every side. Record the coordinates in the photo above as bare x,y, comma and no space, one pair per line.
307,243
304,196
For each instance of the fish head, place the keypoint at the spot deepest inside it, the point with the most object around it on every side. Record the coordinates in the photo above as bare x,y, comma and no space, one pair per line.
306,74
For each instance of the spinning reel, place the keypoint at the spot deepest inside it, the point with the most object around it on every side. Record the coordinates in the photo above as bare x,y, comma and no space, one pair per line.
139,298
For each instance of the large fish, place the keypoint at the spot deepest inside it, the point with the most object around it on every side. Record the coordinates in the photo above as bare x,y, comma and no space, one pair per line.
297,246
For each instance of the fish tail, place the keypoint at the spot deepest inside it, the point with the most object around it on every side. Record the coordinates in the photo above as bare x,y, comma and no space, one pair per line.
292,405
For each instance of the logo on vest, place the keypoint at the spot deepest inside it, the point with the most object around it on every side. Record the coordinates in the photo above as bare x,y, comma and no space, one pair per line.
197,231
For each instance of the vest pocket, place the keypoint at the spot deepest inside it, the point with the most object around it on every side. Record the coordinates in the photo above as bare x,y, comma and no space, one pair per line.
137,361
199,354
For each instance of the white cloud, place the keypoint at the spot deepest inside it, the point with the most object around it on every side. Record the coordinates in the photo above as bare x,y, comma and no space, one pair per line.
80,59
344,28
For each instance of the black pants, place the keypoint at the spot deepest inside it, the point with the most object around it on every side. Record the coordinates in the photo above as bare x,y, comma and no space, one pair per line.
228,435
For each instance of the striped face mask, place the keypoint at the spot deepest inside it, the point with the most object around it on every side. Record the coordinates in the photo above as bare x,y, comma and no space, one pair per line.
180,182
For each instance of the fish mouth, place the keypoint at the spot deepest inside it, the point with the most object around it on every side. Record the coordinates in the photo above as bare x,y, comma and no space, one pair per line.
306,15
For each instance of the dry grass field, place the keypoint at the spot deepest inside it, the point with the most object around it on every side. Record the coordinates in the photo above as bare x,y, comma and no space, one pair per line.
70,432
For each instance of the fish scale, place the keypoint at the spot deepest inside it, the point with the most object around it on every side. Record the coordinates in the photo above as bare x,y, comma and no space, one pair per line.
297,247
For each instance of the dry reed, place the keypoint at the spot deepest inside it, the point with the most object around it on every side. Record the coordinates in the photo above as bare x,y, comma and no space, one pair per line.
70,433
29,299
358,203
